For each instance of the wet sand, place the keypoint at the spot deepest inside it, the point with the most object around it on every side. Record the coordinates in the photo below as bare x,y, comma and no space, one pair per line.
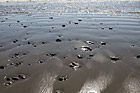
70,47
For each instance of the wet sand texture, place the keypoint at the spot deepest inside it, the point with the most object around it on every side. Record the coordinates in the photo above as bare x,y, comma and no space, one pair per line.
70,47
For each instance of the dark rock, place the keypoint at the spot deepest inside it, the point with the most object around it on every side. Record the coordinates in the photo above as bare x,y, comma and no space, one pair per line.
62,78
8,83
22,76
79,56
86,48
114,58
2,67
74,65
138,56
58,40
103,43
15,78
90,42
63,25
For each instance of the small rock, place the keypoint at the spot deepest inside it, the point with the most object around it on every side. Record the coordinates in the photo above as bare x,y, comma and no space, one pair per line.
22,76
79,20
86,48
16,55
25,26
74,65
90,42
63,25
102,28
43,42
8,78
15,41
2,67
40,61
138,56
58,40
110,28
52,54
8,83
79,56
15,78
76,23
18,21
103,43
50,17
62,78
114,58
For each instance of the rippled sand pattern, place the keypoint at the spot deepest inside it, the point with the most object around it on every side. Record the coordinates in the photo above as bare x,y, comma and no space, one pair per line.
70,47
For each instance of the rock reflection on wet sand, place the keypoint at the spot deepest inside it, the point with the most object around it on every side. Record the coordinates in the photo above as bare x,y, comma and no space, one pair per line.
69,47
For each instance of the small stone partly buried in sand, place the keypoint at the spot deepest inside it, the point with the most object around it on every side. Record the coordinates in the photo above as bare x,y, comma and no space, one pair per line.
90,42
110,28
15,41
22,76
40,61
8,78
50,17
43,42
25,26
79,20
76,23
79,56
74,65
114,58
8,83
138,56
16,55
18,64
103,43
62,78
91,55
63,25
29,42
102,28
52,54
15,78
58,40
18,21
86,48
2,67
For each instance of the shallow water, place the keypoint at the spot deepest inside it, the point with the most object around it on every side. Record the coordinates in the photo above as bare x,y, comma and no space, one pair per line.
70,47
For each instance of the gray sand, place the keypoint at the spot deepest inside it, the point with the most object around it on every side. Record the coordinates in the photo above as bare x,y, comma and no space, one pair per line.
70,47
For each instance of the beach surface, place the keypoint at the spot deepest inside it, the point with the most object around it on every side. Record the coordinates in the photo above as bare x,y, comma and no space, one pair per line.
70,47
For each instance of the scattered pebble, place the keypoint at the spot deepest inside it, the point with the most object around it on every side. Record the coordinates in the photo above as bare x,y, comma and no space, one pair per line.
102,28
25,26
79,56
43,42
29,42
8,78
138,56
74,65
2,67
114,58
8,83
79,20
58,40
110,28
40,61
52,54
18,21
15,41
86,48
15,78
16,55
90,42
50,17
22,76
63,25
103,43
91,55
18,64
62,78
76,23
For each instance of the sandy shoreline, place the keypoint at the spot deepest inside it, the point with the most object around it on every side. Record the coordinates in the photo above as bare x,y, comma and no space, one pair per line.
69,47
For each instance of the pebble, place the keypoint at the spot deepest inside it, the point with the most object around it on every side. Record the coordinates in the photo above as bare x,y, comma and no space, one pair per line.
138,56
50,17
62,78
8,78
114,58
16,55
110,28
8,83
15,41
76,23
2,67
103,43
90,42
22,76
58,40
74,65
63,25
86,48
15,78
79,56
25,26
40,61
